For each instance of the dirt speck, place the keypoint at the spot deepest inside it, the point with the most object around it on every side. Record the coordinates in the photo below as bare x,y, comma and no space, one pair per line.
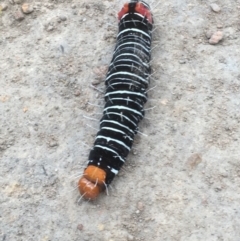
194,160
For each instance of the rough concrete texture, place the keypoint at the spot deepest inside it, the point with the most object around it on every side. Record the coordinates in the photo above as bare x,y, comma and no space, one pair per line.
181,180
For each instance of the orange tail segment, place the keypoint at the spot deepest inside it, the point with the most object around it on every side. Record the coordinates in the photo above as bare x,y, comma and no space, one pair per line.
92,182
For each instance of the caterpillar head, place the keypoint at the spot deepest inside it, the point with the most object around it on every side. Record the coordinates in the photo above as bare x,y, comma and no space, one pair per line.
138,7
92,182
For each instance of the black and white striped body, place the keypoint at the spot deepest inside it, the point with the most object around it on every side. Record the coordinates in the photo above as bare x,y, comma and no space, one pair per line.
126,83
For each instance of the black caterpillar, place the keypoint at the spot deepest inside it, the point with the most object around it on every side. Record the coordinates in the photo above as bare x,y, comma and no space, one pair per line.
126,83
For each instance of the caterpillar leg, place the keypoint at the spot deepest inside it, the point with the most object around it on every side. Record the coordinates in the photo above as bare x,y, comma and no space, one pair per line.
92,182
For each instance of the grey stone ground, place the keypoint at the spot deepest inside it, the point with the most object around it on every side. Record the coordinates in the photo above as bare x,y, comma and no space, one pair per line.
181,181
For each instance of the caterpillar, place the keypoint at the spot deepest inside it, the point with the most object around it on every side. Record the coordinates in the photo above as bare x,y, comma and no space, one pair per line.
126,83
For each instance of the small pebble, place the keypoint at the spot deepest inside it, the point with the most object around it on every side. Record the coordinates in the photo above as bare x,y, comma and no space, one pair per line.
194,35
182,61
80,227
216,37
217,188
130,237
222,60
4,6
164,102
18,1
101,227
140,206
174,127
53,144
96,82
215,8
50,28
62,49
194,160
18,15
209,34
27,8
77,93
100,72
63,18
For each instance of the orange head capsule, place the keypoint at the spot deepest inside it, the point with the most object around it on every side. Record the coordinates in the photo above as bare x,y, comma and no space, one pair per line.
92,182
